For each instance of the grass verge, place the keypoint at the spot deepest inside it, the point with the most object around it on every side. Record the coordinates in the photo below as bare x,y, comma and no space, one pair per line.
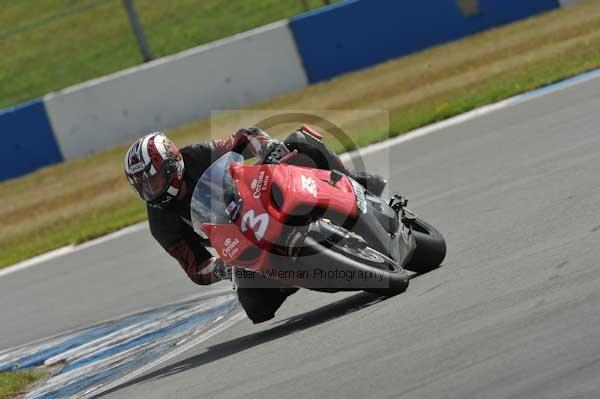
78,200
13,384
48,44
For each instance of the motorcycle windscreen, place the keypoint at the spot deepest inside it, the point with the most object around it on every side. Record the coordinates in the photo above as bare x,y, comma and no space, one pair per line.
215,195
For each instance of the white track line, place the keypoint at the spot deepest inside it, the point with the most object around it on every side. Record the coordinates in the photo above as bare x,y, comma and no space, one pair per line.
424,131
476,113
36,260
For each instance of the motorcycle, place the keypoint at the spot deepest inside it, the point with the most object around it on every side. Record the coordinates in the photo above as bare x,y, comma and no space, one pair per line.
311,228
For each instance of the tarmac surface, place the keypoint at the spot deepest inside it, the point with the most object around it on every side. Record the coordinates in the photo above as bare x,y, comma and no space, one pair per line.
514,312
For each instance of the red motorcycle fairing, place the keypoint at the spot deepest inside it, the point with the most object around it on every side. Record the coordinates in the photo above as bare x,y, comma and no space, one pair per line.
260,223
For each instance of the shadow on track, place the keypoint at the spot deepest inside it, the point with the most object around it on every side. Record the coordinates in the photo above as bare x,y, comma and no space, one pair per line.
281,328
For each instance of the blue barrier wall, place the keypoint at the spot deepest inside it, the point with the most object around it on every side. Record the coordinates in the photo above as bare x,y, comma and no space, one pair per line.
27,140
343,37
355,34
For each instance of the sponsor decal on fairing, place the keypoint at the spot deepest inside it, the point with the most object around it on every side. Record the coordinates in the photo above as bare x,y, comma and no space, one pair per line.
230,247
259,184
309,185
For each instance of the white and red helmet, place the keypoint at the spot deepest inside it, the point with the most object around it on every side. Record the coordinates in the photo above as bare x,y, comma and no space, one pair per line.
154,167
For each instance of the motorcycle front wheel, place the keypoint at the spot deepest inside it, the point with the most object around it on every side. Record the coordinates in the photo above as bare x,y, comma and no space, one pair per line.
430,248
355,256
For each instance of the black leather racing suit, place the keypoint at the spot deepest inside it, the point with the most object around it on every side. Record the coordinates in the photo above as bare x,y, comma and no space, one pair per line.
172,227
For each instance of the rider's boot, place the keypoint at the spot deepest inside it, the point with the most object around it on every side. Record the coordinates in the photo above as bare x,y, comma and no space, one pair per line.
261,297
372,182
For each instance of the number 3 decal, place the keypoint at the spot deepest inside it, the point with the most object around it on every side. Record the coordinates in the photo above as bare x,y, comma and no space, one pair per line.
257,223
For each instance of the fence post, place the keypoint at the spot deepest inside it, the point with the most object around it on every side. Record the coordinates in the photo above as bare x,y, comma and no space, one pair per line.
140,36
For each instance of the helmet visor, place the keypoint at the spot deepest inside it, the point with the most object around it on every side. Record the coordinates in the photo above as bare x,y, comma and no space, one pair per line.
152,187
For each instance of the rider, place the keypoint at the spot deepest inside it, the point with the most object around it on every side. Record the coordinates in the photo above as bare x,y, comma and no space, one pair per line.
165,177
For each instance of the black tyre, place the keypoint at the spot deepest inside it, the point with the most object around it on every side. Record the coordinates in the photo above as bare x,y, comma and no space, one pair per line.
430,248
398,279
356,255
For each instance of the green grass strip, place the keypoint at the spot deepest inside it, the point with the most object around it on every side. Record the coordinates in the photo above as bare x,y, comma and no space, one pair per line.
47,45
15,383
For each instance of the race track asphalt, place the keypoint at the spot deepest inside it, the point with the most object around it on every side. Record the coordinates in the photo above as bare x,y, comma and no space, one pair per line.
513,313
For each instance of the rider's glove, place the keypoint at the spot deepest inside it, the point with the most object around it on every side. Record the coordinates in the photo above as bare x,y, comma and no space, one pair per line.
214,270
256,139
221,270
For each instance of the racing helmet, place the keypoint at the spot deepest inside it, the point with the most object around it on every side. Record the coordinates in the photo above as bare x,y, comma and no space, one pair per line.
154,168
